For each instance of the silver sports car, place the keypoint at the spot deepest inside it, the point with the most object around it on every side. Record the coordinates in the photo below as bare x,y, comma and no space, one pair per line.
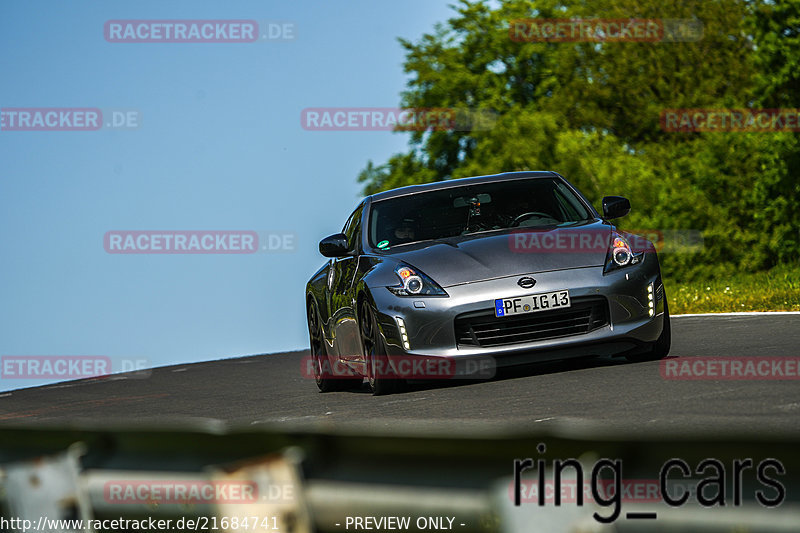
455,277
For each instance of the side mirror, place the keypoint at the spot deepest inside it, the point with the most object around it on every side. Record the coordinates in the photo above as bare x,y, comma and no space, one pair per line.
334,246
615,207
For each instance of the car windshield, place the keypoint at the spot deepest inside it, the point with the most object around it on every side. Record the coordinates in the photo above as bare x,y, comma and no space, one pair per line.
458,211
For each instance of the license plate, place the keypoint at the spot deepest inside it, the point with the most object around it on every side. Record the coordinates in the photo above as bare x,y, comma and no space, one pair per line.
531,303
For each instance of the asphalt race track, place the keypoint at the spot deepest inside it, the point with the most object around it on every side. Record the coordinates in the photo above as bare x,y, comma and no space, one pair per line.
605,393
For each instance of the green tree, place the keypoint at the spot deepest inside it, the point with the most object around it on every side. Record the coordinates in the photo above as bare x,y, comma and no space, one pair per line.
591,111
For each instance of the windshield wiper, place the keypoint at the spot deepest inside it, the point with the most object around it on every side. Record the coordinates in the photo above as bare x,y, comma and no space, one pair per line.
442,241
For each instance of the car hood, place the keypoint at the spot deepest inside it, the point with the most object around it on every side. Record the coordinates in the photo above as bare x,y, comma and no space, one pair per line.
487,256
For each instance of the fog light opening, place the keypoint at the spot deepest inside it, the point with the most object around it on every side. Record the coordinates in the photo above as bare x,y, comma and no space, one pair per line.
651,304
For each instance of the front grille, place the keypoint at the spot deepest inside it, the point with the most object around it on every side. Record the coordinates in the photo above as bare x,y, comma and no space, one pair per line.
482,328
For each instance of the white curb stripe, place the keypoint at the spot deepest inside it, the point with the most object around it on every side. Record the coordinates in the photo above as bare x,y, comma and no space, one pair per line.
743,313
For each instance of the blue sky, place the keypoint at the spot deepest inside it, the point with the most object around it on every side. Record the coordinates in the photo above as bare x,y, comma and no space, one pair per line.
220,147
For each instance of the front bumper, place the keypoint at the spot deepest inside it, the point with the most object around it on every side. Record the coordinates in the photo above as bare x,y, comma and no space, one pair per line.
431,329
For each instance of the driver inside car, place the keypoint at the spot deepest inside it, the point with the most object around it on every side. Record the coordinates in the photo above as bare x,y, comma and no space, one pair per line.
405,231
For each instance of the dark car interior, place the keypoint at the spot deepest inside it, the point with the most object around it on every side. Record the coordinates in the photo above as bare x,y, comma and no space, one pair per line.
460,211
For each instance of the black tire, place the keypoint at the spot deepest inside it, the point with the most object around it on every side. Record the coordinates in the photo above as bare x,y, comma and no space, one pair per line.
379,376
660,348
321,363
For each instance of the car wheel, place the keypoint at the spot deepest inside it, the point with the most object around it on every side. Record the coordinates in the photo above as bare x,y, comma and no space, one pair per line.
660,348
326,381
380,376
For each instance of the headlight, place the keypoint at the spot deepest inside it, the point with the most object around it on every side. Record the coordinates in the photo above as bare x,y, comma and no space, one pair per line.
415,283
620,254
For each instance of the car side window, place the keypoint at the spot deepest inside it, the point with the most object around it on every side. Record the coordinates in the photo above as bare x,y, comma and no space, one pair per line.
567,211
352,229
568,204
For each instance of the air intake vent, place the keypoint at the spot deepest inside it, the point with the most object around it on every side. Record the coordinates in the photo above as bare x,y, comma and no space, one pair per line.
482,328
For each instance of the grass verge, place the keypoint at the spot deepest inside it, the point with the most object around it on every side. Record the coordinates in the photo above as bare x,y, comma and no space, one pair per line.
774,290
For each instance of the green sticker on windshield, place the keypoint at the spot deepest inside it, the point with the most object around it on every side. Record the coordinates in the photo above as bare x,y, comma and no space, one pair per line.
383,245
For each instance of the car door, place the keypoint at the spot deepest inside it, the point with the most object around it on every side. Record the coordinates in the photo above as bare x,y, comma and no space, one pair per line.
342,283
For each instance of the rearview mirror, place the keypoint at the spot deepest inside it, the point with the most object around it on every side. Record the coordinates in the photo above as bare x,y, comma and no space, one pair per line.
615,207
334,246
464,201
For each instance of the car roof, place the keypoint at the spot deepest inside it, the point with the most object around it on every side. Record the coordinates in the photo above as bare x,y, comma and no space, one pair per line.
447,184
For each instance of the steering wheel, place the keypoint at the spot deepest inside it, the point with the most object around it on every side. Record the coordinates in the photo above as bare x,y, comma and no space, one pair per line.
529,214
474,228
